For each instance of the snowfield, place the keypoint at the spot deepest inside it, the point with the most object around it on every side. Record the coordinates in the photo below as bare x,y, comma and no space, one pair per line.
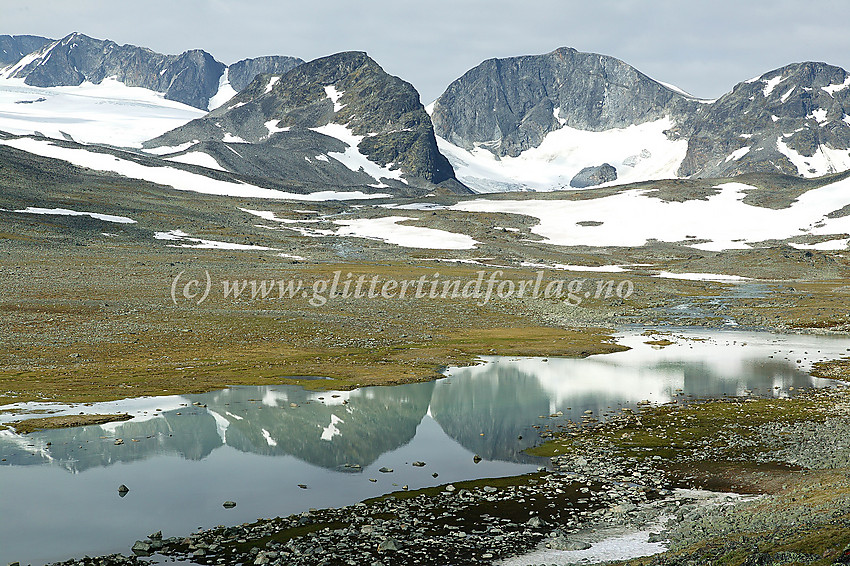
352,158
109,113
722,222
389,230
639,153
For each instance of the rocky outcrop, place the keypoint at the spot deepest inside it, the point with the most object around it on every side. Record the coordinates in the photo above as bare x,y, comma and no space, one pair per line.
191,77
797,110
241,73
592,176
14,47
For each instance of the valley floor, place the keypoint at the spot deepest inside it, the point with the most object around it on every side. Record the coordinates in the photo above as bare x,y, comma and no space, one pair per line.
94,310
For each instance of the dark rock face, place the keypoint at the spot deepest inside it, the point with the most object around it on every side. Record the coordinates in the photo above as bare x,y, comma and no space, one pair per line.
509,105
592,176
14,47
191,77
241,73
383,109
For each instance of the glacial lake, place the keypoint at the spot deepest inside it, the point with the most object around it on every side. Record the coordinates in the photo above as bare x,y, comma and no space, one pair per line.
183,456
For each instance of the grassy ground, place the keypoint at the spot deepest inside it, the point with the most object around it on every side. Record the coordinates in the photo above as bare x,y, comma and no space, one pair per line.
103,335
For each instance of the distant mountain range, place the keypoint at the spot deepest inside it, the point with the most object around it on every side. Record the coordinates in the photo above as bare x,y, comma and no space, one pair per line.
193,77
559,120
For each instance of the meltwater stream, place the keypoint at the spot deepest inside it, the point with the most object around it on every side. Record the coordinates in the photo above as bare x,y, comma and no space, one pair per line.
183,456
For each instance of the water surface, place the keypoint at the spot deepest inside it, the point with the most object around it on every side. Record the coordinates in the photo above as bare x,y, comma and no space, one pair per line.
182,456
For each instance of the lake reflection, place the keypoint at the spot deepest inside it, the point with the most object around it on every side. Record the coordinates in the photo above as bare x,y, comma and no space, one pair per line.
183,455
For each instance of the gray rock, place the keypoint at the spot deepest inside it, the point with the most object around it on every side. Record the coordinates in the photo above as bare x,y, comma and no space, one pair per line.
510,104
535,522
389,544
241,73
14,47
142,548
592,176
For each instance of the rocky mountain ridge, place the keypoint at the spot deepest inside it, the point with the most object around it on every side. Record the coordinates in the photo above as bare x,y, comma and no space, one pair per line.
193,77
793,120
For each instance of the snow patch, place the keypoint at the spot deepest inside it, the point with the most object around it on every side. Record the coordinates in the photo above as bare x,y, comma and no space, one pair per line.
273,128
388,230
198,158
624,215
618,547
352,158
67,212
771,84
198,243
224,93
162,150
819,115
230,138
335,95
272,81
738,154
565,267
700,276
832,89
825,160
785,96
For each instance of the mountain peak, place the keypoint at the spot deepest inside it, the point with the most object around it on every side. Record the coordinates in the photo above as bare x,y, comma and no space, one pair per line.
533,95
316,110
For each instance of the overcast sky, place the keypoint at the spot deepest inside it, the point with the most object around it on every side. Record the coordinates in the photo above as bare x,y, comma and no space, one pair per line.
702,47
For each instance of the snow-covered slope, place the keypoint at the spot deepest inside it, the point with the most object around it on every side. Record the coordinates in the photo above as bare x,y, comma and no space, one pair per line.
639,153
108,113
